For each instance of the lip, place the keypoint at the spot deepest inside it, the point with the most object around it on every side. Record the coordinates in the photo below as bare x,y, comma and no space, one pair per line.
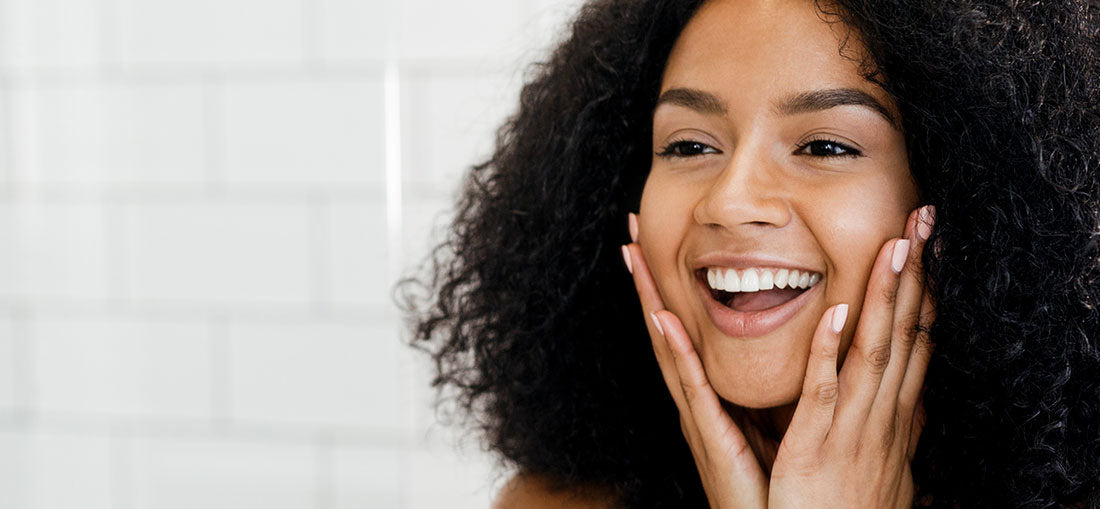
735,261
750,324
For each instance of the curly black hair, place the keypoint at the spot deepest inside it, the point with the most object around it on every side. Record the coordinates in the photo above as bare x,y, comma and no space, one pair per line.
536,331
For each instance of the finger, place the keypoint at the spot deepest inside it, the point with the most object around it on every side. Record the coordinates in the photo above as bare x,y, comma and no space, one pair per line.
918,360
722,440
869,354
917,426
651,302
813,417
906,315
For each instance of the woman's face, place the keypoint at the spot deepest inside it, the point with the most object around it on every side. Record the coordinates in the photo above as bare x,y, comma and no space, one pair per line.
772,153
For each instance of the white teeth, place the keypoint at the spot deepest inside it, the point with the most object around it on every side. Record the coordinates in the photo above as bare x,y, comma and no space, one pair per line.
733,283
750,281
753,279
781,278
766,282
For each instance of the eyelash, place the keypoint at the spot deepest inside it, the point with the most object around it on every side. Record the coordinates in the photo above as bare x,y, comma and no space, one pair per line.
669,151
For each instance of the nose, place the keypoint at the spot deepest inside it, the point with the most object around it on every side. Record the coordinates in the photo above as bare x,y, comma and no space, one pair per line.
747,194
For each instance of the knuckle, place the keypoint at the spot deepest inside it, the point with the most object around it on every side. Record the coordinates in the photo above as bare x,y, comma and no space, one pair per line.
908,329
889,294
915,266
922,343
890,433
878,358
826,393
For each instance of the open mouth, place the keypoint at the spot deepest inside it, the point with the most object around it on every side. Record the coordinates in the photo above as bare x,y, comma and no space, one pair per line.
754,301
755,289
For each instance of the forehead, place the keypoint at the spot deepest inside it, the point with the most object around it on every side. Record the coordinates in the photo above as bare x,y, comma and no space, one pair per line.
753,52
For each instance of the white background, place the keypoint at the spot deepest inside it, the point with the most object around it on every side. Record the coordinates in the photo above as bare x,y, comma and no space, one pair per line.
204,205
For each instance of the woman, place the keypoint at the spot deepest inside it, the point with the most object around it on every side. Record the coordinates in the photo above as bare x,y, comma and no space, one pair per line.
759,137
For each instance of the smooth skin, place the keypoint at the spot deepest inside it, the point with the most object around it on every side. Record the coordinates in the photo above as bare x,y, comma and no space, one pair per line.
769,419
852,437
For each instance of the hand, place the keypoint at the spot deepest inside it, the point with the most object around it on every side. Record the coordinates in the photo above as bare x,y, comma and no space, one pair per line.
852,437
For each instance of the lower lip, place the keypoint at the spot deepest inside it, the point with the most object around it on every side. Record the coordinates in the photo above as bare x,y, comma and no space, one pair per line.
751,324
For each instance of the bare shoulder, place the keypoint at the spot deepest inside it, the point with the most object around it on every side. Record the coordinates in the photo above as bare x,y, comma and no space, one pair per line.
526,491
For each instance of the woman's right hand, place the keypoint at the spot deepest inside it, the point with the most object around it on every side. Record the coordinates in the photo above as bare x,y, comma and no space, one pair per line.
731,475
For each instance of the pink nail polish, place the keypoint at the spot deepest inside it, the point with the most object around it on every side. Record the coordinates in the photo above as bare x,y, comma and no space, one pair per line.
657,323
626,259
840,315
901,252
924,223
632,225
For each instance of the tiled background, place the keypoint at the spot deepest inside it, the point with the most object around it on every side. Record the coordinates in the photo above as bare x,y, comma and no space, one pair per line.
204,205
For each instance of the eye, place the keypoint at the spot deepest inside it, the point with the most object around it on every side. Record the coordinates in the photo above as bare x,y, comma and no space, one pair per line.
824,147
686,148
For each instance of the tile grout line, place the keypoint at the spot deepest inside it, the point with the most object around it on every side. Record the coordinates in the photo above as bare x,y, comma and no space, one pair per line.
325,480
213,90
318,255
392,94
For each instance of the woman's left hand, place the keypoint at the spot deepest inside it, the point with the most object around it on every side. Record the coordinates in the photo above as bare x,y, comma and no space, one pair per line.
852,437
853,445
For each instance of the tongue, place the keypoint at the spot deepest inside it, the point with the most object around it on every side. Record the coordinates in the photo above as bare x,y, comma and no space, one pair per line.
756,301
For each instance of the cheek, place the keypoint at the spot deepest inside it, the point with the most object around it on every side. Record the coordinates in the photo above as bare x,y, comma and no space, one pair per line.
852,232
664,218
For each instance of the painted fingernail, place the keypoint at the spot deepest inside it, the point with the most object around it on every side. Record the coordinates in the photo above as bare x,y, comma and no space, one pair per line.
632,225
626,259
840,315
924,222
657,323
901,252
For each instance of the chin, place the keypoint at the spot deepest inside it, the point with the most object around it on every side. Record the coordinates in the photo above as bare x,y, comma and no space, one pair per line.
757,384
761,395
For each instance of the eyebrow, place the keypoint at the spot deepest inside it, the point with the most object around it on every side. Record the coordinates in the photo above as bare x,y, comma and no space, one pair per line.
801,102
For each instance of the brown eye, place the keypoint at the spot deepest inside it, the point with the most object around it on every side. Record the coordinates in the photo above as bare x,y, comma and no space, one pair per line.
686,148
828,148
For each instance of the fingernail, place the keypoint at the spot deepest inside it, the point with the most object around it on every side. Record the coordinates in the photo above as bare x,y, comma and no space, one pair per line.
840,315
657,323
924,222
632,225
626,259
901,252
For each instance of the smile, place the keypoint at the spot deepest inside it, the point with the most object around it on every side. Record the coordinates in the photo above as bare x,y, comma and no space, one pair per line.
755,302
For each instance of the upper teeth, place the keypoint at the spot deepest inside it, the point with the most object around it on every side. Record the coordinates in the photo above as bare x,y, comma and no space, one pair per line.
754,280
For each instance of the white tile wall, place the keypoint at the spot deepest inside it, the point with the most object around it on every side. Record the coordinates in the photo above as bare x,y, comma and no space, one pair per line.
450,117
111,132
217,473
200,228
53,249
9,366
477,29
213,33
218,252
317,131
124,367
357,262
324,375
354,30
51,33
55,470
